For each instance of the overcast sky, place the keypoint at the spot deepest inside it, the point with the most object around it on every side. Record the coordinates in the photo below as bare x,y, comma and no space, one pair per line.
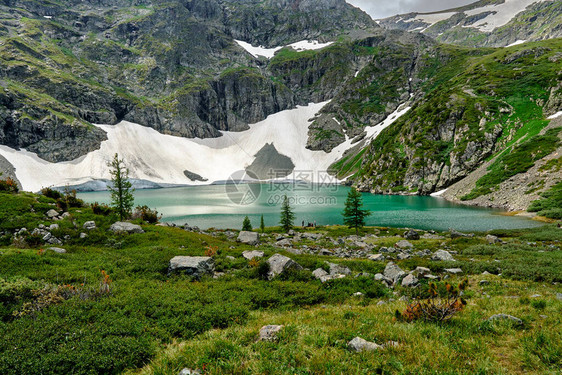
386,8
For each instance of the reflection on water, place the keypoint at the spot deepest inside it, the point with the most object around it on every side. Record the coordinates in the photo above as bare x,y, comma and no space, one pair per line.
210,206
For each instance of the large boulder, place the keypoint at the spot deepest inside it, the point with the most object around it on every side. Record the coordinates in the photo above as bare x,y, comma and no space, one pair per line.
393,272
412,235
376,257
409,281
403,244
336,269
125,227
193,266
443,255
51,214
361,345
249,255
249,238
279,264
319,273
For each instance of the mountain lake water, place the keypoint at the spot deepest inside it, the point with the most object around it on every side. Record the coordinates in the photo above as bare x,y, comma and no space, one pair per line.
224,207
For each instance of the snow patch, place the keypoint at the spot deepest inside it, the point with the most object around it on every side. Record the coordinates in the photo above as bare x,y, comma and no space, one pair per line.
304,45
503,13
555,116
516,43
433,18
439,193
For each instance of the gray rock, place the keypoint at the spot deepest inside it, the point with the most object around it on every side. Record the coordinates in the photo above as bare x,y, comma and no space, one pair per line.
393,272
453,271
402,256
431,277
125,227
409,281
83,235
361,345
559,296
431,236
506,317
249,238
357,294
249,255
52,214
53,227
403,244
484,282
492,239
336,269
188,371
269,333
536,296
319,273
193,266
57,250
443,255
325,252
421,271
279,264
284,243
89,225
456,234
376,257
331,277
65,215
412,235
230,257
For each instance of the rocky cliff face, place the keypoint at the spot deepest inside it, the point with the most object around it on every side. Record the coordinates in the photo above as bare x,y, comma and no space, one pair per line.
173,66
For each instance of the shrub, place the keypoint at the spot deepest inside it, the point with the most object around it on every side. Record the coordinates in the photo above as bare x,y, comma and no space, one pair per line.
101,209
51,193
146,214
9,185
246,224
435,308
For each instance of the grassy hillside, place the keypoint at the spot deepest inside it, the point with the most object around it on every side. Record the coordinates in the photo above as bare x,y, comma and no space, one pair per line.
108,305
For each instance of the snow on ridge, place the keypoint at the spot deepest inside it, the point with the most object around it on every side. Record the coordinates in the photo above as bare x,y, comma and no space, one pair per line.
303,45
433,18
516,43
439,193
555,116
503,13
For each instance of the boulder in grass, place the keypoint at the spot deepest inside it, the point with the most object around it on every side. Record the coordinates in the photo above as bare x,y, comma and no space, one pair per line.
453,271
336,269
269,333
248,238
125,227
279,264
319,273
412,235
393,272
361,345
506,317
403,244
193,266
376,257
409,281
443,255
249,255
57,250
89,225
51,214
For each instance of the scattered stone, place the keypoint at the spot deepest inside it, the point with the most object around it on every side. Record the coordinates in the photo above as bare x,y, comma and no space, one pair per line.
319,273
421,271
331,277
124,227
403,244
493,239
279,264
325,252
443,255
65,215
486,273
89,225
376,257
536,296
357,294
57,250
188,371
249,238
559,296
506,317
336,269
484,282
51,214
431,277
249,255
83,235
393,272
409,281
402,256
412,235
193,266
230,257
53,227
456,234
453,271
392,344
431,236
284,243
269,333
361,345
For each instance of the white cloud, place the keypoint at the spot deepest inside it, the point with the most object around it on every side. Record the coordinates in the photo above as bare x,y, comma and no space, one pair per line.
384,8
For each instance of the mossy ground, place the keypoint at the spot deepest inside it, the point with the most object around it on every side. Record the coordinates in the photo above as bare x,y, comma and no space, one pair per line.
155,323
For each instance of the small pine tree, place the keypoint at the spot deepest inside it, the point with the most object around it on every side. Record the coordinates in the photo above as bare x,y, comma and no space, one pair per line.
121,190
354,215
287,215
262,225
247,224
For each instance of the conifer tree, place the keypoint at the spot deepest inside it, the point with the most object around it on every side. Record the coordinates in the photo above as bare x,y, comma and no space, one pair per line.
287,215
121,188
247,224
262,225
354,215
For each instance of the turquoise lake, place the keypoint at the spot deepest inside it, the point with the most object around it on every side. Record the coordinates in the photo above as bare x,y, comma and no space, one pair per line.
224,206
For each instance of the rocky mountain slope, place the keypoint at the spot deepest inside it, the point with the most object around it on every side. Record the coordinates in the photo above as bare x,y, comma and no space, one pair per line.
486,23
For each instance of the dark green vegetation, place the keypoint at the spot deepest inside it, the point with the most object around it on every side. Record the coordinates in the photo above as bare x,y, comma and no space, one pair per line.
109,304
550,205
287,218
121,189
478,104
